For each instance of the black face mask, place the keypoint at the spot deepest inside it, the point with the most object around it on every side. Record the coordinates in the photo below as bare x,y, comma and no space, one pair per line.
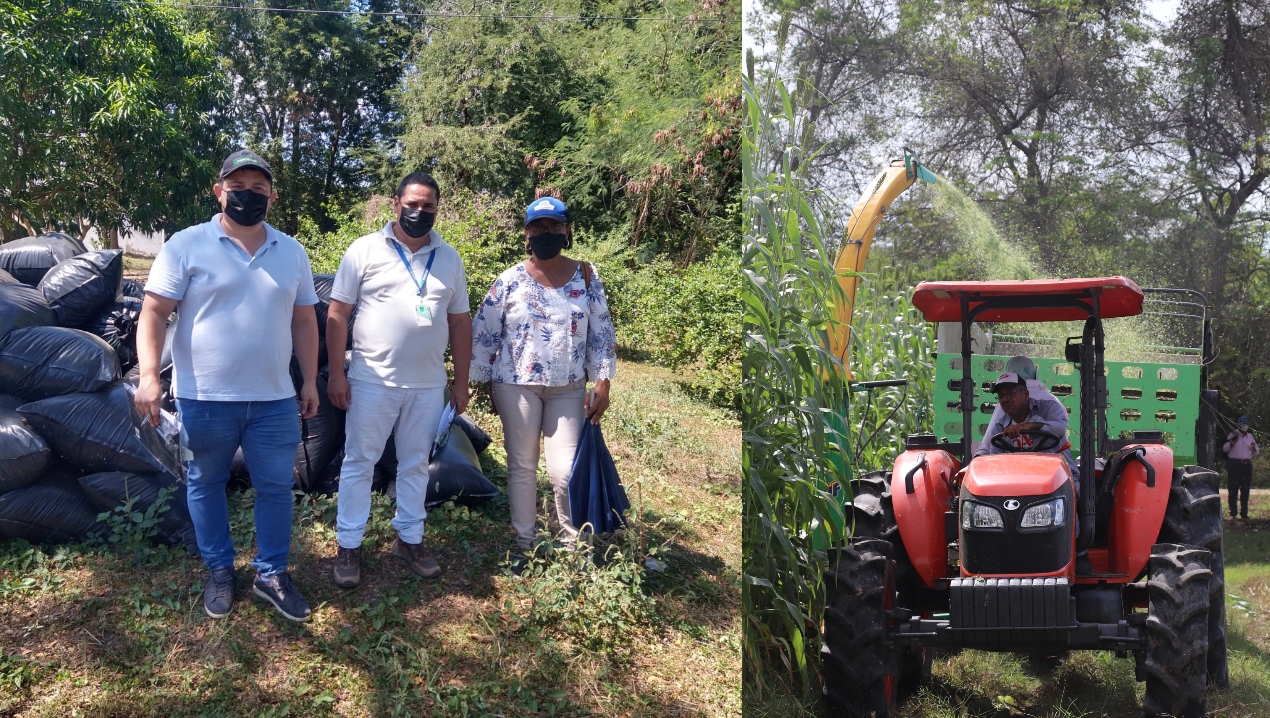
547,246
416,222
246,207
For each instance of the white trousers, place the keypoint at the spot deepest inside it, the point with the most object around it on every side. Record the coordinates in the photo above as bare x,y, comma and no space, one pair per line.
374,411
528,412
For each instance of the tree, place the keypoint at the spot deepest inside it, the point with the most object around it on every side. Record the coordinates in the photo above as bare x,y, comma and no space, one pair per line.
1024,92
104,117
635,123
313,93
1219,108
472,121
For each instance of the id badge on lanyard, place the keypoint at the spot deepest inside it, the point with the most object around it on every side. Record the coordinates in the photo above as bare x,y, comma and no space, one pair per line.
424,310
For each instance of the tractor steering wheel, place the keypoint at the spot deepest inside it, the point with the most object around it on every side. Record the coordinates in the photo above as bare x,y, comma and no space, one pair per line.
1045,441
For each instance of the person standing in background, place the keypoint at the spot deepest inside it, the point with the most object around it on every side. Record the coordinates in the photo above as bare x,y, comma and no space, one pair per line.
1240,447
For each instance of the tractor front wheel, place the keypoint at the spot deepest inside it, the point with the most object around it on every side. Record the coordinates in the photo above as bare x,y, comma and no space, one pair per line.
1193,517
859,588
1177,631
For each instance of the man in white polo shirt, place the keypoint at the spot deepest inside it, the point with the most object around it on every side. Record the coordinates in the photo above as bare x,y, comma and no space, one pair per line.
410,292
245,296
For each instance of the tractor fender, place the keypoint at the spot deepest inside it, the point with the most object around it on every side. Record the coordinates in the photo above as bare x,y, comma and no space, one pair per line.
920,515
1138,511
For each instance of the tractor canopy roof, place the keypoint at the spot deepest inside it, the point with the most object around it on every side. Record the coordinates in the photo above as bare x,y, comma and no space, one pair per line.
1033,300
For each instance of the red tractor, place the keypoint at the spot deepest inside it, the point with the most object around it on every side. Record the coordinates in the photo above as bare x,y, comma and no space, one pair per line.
949,553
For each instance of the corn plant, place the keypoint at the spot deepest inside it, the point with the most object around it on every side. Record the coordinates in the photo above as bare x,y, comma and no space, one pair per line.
890,340
794,397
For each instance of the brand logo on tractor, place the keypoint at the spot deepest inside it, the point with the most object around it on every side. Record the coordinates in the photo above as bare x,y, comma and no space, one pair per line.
1011,505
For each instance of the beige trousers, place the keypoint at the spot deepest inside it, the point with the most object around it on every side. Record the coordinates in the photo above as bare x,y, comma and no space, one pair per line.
556,414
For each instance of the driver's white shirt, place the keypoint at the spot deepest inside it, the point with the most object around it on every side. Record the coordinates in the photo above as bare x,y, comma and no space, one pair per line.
1044,409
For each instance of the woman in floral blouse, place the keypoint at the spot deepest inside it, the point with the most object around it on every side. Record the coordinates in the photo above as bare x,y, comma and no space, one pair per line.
541,333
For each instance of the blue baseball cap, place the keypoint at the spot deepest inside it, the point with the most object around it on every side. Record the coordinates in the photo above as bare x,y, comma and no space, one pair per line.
1243,420
549,207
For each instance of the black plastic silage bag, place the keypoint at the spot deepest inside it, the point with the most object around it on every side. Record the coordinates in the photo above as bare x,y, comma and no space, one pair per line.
52,510
6,278
100,431
77,289
42,362
30,258
21,307
117,325
455,474
132,288
112,489
24,455
475,434
322,437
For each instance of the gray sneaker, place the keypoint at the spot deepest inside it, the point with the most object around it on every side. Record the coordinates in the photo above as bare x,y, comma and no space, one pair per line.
420,561
348,567
282,593
218,594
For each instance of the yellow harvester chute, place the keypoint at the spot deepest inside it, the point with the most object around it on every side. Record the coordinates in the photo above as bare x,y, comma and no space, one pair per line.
877,197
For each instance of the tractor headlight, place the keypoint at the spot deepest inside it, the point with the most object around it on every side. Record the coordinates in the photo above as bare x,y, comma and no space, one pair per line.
1050,513
980,516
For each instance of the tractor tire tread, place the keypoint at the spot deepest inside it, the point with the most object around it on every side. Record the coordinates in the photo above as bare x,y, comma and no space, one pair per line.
1177,631
1194,517
853,648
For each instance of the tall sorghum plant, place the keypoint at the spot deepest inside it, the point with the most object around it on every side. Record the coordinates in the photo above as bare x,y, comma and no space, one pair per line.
890,340
793,395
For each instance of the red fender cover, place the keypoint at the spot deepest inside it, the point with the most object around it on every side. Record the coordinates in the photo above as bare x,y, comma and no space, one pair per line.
920,515
1138,512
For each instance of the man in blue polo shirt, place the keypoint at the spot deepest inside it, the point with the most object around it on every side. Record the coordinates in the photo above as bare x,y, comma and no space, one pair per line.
245,297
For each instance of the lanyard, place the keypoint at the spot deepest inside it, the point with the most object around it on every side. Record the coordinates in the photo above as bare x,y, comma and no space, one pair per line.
427,270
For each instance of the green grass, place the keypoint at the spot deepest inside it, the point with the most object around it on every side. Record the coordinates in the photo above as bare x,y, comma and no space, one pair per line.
100,631
980,684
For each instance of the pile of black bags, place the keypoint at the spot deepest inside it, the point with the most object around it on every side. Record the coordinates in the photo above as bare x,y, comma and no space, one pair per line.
73,446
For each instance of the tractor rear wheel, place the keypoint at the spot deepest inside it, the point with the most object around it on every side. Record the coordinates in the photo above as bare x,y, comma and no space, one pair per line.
859,587
873,515
1177,631
1193,517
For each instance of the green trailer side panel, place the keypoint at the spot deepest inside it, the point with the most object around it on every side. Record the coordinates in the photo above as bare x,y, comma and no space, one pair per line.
1140,396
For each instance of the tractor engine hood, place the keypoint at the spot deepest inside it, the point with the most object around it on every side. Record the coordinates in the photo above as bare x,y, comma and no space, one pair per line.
1022,474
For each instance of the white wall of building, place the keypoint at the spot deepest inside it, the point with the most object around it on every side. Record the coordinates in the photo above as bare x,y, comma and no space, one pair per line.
133,242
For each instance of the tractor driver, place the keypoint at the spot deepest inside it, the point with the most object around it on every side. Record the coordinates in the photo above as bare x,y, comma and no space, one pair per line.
1020,412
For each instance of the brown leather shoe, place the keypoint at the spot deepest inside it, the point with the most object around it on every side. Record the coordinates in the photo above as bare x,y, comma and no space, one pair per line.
421,562
348,567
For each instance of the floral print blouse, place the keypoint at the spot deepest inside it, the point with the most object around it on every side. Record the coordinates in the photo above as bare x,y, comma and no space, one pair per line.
525,333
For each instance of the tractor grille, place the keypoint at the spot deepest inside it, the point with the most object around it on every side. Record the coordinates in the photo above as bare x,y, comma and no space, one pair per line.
990,612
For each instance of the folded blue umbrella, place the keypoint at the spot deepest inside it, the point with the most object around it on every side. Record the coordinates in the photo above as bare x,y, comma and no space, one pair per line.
596,495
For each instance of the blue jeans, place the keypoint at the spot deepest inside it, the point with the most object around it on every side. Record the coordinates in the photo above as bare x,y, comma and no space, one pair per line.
269,432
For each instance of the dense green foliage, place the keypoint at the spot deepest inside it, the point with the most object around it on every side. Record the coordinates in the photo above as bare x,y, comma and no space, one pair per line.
794,396
104,116
634,123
